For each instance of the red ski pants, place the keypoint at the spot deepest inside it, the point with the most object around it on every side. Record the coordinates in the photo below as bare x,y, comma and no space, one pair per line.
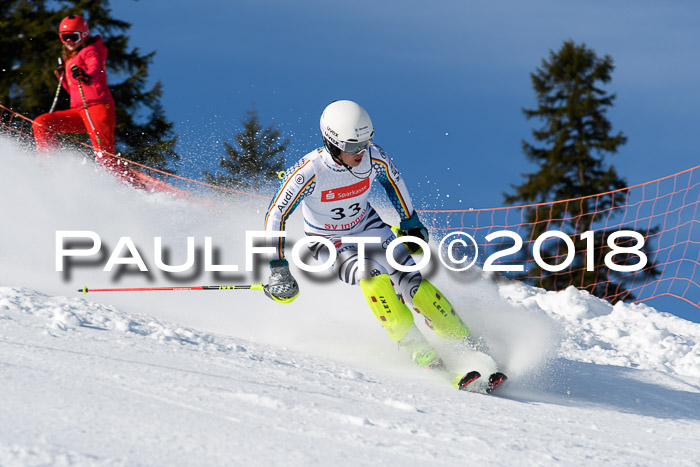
76,121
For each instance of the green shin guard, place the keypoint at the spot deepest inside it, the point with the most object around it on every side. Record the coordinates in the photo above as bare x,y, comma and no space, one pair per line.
440,316
397,319
386,306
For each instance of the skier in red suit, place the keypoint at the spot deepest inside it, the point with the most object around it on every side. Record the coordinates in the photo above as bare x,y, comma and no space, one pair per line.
84,65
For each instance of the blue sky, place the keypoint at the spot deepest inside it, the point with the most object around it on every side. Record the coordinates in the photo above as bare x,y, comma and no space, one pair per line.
444,81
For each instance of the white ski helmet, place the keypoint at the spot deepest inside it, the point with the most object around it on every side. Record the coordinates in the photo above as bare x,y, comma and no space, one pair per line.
346,126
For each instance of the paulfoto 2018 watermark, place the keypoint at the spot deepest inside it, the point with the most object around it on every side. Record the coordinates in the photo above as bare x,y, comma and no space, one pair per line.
458,251
464,241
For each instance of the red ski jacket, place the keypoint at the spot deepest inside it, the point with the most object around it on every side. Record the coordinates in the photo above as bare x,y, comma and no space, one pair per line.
91,58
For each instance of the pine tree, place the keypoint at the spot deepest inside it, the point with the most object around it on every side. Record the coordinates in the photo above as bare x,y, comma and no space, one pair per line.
29,49
257,160
573,142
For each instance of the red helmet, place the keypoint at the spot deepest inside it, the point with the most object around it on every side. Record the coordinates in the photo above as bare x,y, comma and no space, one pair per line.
74,23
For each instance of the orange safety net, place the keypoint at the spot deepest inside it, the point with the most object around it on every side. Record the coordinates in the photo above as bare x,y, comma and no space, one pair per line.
149,178
663,211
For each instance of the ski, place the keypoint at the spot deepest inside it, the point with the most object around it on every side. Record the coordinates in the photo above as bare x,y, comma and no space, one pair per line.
468,382
495,380
464,381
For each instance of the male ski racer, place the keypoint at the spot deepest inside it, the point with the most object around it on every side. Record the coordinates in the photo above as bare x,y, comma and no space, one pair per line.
332,185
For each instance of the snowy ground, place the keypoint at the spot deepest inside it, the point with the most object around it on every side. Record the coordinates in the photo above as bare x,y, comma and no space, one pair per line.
230,378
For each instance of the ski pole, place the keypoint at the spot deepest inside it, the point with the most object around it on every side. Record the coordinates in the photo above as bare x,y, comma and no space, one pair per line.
82,94
58,89
255,286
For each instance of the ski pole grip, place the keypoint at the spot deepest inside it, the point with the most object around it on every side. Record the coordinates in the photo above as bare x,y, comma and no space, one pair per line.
411,247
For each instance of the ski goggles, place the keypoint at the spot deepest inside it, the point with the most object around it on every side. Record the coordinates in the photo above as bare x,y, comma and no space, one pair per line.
73,37
356,148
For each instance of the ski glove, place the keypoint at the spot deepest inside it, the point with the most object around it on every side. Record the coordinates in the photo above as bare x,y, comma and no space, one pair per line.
79,74
414,228
282,287
60,69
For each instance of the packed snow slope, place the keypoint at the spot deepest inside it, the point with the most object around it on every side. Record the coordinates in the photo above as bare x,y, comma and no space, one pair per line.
231,378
